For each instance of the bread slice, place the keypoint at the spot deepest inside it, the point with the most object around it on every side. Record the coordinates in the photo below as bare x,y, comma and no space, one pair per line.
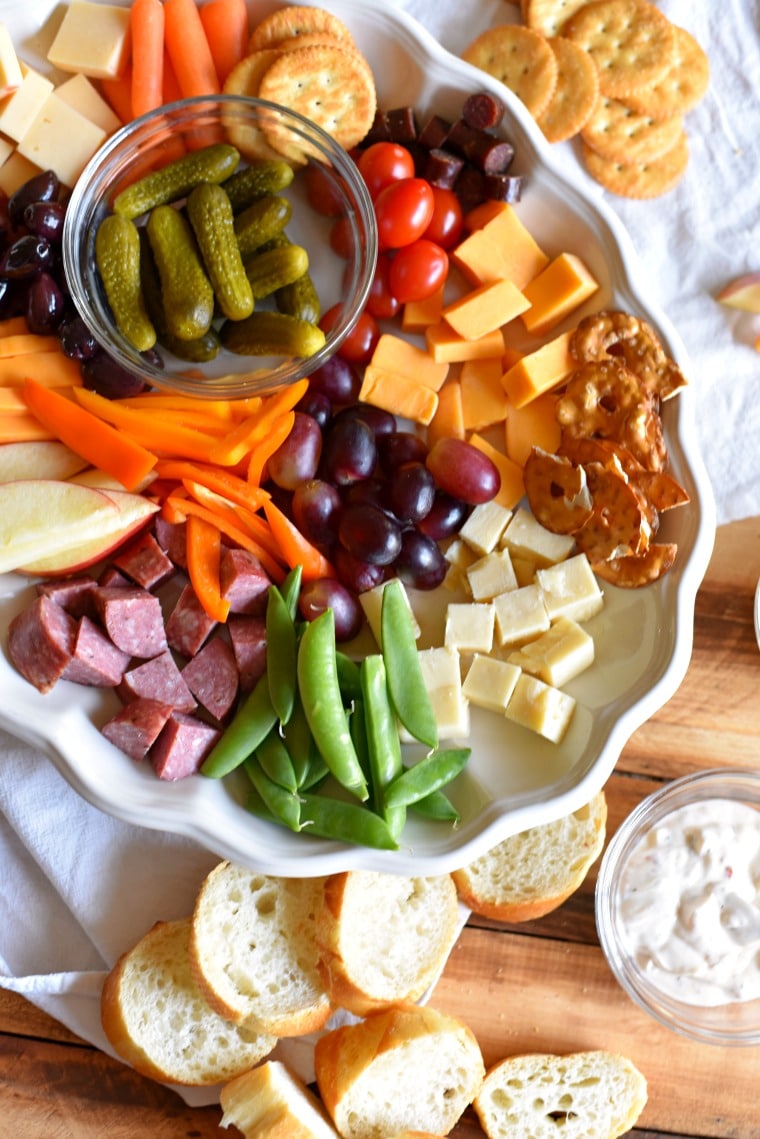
269,1102
156,1019
584,1095
384,938
408,1068
253,950
535,871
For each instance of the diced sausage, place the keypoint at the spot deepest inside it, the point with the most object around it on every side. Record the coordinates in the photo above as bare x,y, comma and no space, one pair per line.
249,644
503,187
182,746
470,188
136,727
144,562
402,125
111,578
74,594
491,155
442,168
379,131
41,642
159,679
188,625
96,661
435,132
482,110
133,619
171,538
212,677
243,582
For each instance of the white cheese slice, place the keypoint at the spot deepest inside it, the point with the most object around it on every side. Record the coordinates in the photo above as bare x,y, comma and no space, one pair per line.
93,39
82,95
19,110
10,68
61,139
15,171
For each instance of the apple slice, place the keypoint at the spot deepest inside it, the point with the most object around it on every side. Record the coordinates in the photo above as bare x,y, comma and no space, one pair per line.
39,517
38,459
102,481
133,512
743,293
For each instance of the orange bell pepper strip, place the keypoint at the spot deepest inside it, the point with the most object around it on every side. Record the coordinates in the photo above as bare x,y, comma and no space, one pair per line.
263,450
295,548
218,479
177,508
161,437
257,426
203,543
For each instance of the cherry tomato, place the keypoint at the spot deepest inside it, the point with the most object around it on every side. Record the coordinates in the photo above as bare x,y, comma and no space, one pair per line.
403,212
321,192
342,238
381,302
447,221
418,270
383,163
360,342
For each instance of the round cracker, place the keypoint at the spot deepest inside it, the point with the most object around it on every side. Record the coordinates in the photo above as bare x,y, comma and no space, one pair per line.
575,94
298,20
520,58
639,180
631,42
615,131
683,84
244,79
548,16
333,88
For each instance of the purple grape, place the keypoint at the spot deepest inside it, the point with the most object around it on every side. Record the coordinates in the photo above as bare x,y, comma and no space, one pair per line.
399,447
77,342
26,257
101,374
45,219
327,593
349,452
371,490
411,491
318,406
370,534
445,517
42,187
420,562
356,575
316,508
297,459
463,470
338,380
45,304
380,422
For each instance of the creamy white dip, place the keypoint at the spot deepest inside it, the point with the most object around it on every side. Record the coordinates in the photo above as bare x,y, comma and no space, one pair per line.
689,903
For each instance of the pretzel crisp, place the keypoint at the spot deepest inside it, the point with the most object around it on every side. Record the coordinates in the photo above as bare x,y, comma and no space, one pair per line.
621,335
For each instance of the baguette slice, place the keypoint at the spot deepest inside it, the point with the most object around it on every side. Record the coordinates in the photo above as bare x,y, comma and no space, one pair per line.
156,1019
269,1102
407,1068
253,950
534,872
584,1095
384,938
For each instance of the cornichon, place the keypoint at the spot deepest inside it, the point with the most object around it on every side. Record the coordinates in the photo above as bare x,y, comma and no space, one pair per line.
213,163
300,297
267,176
199,351
272,269
272,334
210,215
260,222
117,253
186,292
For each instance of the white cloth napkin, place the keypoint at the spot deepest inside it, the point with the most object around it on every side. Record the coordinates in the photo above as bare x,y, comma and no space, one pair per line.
79,887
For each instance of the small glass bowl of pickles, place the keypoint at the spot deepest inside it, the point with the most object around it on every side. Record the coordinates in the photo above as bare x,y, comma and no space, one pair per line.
197,247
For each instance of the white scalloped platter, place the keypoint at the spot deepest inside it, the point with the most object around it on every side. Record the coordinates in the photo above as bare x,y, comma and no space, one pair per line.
643,637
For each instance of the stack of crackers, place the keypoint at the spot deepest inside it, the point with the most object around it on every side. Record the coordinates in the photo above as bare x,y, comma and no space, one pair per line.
615,73
305,59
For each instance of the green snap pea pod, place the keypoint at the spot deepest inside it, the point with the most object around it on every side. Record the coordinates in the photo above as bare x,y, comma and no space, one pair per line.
348,677
406,684
357,725
346,822
256,806
316,774
430,774
284,805
323,704
275,761
383,744
438,806
296,736
291,590
282,651
251,723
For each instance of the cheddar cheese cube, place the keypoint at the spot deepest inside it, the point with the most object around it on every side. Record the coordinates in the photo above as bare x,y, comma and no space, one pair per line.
570,589
417,315
503,249
371,601
512,486
469,627
532,425
395,354
484,400
398,394
524,536
13,173
447,346
557,291
448,420
540,371
483,528
93,39
520,615
441,673
491,575
485,309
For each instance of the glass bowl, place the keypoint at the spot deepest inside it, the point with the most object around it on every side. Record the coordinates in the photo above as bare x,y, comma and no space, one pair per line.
153,140
683,861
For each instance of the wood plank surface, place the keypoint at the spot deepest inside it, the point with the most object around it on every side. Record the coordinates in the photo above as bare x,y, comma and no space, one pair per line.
541,985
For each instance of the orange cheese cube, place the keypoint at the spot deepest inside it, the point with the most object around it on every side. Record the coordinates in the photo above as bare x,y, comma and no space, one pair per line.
417,315
394,354
540,371
448,421
484,212
398,394
558,289
512,486
484,400
484,309
503,248
447,346
534,425
52,369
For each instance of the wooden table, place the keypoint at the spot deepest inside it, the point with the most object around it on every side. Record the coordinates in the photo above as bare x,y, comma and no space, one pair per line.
540,986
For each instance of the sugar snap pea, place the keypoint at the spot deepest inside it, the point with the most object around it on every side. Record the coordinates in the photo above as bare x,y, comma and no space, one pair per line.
253,720
346,822
282,649
296,736
284,805
437,806
430,774
276,762
383,744
291,590
406,683
348,676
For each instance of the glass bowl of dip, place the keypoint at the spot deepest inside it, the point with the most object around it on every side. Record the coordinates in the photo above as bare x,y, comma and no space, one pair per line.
678,906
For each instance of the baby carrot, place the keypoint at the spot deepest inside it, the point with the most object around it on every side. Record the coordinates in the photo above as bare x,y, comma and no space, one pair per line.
225,23
188,49
147,28
118,92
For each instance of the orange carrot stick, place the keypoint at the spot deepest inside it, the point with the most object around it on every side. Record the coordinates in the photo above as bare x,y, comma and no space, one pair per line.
89,436
225,23
188,49
118,92
146,19
203,548
295,548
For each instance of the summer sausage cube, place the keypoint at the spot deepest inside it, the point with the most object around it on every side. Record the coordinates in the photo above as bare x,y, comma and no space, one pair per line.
132,618
182,746
73,594
41,642
171,537
212,677
158,679
249,644
96,661
243,582
111,578
136,727
144,562
188,625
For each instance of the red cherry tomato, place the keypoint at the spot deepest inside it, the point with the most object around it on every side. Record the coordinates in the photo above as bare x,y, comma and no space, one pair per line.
383,163
418,270
403,210
381,302
447,221
360,342
342,238
321,192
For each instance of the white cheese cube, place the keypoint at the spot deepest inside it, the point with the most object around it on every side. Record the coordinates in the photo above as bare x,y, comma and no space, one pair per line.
10,68
19,110
570,589
371,602
490,682
81,94
441,673
520,615
469,626
92,39
484,527
15,171
525,568
491,575
61,139
529,539
559,654
541,708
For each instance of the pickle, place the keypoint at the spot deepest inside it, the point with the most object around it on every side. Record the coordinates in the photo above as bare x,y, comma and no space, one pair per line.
271,269
186,292
175,180
210,214
272,334
117,254
260,222
201,350
267,176
300,298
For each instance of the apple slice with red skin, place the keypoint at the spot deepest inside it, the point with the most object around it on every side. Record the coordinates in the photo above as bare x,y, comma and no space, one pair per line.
38,459
743,293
